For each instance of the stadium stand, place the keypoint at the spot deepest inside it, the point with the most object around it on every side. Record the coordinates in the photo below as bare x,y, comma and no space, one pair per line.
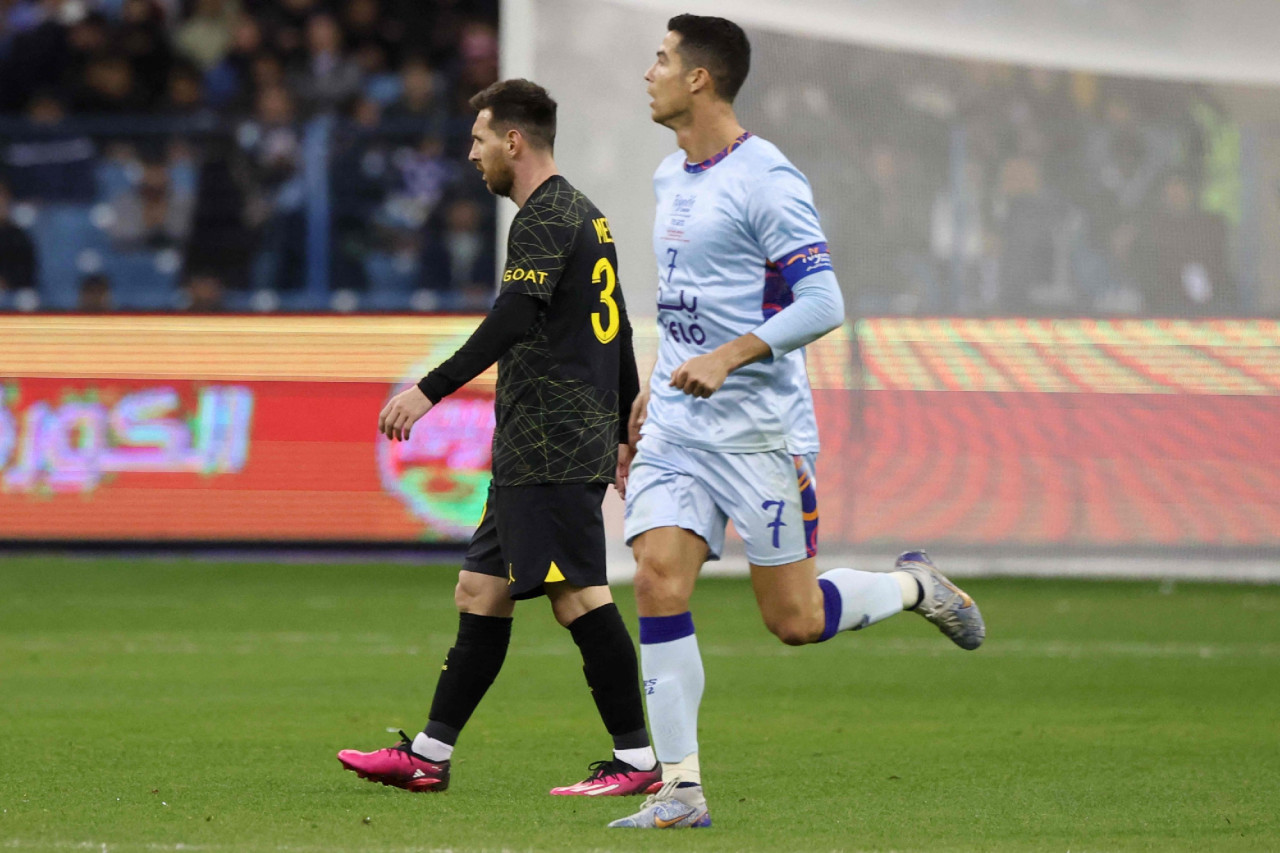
241,154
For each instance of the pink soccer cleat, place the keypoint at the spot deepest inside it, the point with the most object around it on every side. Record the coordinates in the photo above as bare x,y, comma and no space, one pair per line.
614,778
398,766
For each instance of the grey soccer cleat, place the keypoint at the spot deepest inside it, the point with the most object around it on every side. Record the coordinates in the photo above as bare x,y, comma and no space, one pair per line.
677,805
943,603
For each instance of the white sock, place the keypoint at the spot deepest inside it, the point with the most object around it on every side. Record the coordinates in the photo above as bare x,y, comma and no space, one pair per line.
686,770
673,682
430,748
910,588
641,759
865,597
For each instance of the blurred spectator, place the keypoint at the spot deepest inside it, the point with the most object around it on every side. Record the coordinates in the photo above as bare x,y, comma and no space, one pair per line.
327,79
52,165
152,214
205,293
896,235
364,24
359,178
1034,260
285,23
419,94
87,40
1189,250
380,82
110,87
205,37
227,82
478,62
144,41
458,257
185,93
1126,156
95,294
271,149
959,241
38,54
221,241
17,252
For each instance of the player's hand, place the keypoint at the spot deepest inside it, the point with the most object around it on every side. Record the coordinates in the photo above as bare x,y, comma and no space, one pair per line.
639,413
625,454
401,412
701,376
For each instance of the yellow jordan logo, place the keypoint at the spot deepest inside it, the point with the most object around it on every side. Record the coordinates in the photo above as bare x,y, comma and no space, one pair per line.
511,577
554,574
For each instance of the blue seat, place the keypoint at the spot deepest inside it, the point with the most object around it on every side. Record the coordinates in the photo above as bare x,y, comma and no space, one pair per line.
386,300
139,282
387,275
111,178
61,233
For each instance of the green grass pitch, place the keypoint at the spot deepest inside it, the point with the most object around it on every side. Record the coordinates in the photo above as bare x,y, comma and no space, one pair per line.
157,705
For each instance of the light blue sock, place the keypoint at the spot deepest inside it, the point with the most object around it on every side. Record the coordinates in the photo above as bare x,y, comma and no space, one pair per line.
853,600
673,682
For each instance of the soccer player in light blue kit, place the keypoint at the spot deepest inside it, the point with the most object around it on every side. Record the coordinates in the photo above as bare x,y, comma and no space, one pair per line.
744,283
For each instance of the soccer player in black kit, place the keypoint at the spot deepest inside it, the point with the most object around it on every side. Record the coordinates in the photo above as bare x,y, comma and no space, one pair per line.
566,381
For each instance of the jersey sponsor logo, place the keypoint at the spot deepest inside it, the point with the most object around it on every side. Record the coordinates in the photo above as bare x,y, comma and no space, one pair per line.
678,216
602,230
521,274
684,329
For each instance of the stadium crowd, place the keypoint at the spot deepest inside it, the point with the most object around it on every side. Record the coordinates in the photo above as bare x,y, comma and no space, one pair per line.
980,188
310,154
157,154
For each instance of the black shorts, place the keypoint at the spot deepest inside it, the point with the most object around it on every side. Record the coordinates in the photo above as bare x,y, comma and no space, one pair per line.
533,535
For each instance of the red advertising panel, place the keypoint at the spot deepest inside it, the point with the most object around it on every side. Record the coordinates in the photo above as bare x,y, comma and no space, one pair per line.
1081,432
994,432
262,429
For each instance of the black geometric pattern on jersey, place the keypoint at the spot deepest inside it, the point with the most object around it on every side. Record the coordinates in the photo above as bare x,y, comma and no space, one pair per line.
557,406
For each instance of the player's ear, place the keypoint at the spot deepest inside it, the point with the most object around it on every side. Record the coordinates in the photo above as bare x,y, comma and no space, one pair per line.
699,79
513,142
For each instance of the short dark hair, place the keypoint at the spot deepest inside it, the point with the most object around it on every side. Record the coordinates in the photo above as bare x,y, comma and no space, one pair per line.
718,45
521,104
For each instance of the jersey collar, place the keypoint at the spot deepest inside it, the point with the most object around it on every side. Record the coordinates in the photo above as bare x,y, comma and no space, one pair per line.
695,168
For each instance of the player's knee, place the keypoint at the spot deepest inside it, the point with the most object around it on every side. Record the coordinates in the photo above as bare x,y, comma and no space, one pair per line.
660,590
464,597
481,595
794,629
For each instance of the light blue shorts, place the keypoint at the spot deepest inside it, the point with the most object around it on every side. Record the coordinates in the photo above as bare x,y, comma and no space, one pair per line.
771,498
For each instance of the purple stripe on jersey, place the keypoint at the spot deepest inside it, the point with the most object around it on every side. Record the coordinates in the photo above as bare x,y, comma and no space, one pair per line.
804,261
831,607
808,505
665,629
777,293
695,168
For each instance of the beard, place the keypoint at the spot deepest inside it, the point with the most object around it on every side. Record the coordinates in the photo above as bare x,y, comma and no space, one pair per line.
500,180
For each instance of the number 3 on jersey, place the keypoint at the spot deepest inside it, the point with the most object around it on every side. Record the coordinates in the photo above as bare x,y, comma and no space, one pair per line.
605,276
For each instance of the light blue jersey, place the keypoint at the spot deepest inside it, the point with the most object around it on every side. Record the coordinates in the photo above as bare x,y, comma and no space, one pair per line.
733,235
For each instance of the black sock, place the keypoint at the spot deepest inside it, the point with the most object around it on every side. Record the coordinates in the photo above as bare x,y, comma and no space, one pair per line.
609,663
469,668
